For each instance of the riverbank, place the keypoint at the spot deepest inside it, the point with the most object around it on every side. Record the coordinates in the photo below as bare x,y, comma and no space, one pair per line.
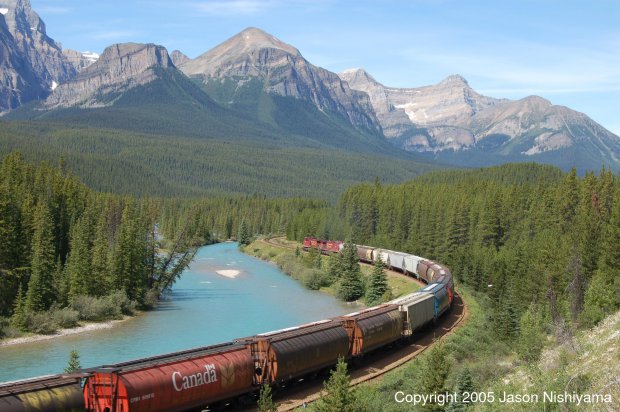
282,253
87,327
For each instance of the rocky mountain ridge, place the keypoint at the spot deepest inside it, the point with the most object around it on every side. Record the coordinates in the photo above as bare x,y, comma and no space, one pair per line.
178,57
41,56
18,81
446,119
80,60
451,116
254,54
120,68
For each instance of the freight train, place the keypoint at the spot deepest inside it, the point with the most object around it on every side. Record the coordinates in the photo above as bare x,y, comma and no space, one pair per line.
234,371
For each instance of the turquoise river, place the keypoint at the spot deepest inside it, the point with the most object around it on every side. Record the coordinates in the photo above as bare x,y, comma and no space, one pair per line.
203,308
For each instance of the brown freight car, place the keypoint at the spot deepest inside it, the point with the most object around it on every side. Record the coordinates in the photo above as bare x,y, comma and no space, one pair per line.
291,353
43,394
373,328
177,382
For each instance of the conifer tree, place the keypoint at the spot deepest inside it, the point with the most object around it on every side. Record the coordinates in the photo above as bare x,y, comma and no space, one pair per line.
61,284
351,287
377,284
530,342
600,299
20,317
100,266
569,198
243,237
78,267
339,396
41,294
436,369
318,261
11,246
74,362
129,260
265,401
464,384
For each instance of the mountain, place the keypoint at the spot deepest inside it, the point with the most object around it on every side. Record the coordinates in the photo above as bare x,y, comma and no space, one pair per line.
253,63
453,123
18,81
119,69
32,41
136,87
178,58
80,60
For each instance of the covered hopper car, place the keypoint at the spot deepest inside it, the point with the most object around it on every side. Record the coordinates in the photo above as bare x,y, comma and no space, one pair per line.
44,394
291,353
175,382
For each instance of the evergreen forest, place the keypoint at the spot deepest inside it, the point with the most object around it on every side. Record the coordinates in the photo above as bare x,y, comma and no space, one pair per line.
533,250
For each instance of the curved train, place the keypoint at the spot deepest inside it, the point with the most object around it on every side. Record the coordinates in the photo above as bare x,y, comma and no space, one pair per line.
235,370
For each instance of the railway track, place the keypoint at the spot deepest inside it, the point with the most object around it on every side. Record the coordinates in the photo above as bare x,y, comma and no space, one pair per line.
376,364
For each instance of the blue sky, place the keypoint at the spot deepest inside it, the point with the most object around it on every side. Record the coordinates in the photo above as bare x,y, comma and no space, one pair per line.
566,51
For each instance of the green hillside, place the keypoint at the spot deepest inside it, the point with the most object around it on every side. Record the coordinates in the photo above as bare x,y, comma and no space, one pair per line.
160,165
293,116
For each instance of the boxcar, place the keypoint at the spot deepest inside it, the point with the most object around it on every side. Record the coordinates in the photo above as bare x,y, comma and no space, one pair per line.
442,297
291,353
365,253
419,309
43,394
373,328
174,382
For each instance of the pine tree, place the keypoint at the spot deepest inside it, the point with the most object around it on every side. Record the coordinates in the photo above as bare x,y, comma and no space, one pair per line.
265,401
530,342
74,362
12,245
101,279
129,260
20,316
318,261
78,267
351,287
464,384
436,369
569,198
377,285
339,396
243,237
41,294
600,299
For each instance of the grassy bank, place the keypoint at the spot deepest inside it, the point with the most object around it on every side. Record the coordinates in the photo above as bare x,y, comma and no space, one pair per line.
302,267
84,310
